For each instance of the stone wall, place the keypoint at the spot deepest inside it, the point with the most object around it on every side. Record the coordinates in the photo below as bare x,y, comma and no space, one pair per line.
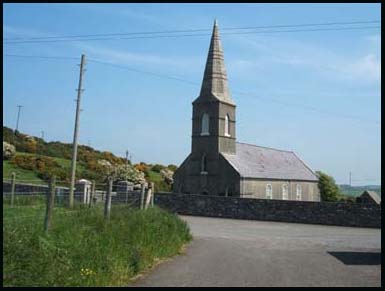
25,189
327,213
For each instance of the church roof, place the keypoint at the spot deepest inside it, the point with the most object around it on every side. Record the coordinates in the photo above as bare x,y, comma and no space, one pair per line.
215,82
252,161
372,194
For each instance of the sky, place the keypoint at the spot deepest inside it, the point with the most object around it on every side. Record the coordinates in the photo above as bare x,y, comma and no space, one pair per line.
316,93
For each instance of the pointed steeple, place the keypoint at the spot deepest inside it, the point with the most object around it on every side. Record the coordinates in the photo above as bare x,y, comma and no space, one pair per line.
215,77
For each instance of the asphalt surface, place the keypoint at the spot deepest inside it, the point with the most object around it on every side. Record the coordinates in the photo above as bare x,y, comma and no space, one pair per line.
227,252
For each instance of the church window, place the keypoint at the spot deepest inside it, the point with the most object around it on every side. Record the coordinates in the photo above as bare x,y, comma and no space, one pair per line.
269,191
298,192
205,124
285,192
204,164
311,194
227,125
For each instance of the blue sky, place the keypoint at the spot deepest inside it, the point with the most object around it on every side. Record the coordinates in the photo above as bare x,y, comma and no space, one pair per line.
273,79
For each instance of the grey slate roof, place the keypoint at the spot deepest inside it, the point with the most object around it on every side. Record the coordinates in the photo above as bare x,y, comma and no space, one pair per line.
252,161
373,195
215,77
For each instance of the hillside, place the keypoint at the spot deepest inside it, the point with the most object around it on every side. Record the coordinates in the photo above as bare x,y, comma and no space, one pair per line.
36,160
357,190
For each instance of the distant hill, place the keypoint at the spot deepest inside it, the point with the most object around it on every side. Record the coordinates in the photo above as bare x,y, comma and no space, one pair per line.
57,149
357,190
36,160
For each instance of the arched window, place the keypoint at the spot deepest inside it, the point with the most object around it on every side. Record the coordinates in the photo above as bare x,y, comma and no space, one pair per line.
205,124
285,192
227,125
269,191
204,164
298,192
311,194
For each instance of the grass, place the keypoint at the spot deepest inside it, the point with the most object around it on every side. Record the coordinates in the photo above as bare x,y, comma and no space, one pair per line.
21,174
82,249
154,176
29,176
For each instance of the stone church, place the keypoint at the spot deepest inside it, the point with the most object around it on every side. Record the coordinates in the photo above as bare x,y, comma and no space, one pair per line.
218,165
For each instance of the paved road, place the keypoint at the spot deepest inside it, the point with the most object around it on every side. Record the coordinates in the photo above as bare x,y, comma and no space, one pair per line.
227,252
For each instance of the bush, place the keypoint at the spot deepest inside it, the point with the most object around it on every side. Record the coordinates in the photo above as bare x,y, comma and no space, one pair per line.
172,167
157,168
328,189
8,150
162,186
45,167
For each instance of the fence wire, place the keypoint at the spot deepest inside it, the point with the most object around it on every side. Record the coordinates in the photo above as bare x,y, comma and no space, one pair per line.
25,203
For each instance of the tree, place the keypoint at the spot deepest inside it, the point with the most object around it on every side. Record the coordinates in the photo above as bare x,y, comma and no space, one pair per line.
172,167
157,168
328,188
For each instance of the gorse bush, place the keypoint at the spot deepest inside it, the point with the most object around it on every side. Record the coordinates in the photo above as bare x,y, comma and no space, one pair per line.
82,249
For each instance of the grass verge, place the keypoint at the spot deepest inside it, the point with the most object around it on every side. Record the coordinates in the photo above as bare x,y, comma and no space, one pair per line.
82,249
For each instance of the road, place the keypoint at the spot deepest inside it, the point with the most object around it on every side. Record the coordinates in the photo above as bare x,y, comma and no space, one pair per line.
227,252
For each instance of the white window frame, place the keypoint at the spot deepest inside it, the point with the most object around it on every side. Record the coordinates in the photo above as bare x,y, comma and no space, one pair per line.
269,191
227,125
205,124
285,197
203,168
298,192
311,198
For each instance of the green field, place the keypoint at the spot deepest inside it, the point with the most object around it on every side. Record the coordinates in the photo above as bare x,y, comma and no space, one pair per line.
81,248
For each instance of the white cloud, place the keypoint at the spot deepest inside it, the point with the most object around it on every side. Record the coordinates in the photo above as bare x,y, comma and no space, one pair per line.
270,52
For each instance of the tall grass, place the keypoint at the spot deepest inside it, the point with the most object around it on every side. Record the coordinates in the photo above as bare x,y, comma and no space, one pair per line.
82,249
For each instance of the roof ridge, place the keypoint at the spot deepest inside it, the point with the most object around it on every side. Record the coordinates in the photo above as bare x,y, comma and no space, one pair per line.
265,147
313,172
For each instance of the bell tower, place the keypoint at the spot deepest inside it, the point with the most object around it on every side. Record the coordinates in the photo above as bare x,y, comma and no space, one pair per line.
213,121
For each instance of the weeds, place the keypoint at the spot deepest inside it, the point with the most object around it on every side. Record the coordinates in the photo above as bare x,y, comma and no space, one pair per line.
82,249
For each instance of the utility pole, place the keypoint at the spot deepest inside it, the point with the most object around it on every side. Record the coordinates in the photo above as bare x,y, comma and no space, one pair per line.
42,135
75,142
350,179
18,116
127,157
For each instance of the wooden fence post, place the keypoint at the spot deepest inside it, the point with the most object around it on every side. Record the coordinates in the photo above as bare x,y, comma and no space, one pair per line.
153,194
92,194
148,198
50,203
142,193
107,205
13,184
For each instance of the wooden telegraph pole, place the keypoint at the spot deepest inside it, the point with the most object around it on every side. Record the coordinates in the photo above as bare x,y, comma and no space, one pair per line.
75,141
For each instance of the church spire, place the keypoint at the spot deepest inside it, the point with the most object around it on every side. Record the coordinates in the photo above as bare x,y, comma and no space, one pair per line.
215,77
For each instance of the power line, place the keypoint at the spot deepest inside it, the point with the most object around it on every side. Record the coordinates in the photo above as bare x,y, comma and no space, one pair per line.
42,57
196,30
267,99
191,35
249,94
142,72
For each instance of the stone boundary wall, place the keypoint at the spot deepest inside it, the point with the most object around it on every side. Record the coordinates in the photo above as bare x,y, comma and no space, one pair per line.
326,213
25,188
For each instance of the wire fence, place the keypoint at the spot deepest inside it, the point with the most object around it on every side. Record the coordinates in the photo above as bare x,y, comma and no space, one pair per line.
26,203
